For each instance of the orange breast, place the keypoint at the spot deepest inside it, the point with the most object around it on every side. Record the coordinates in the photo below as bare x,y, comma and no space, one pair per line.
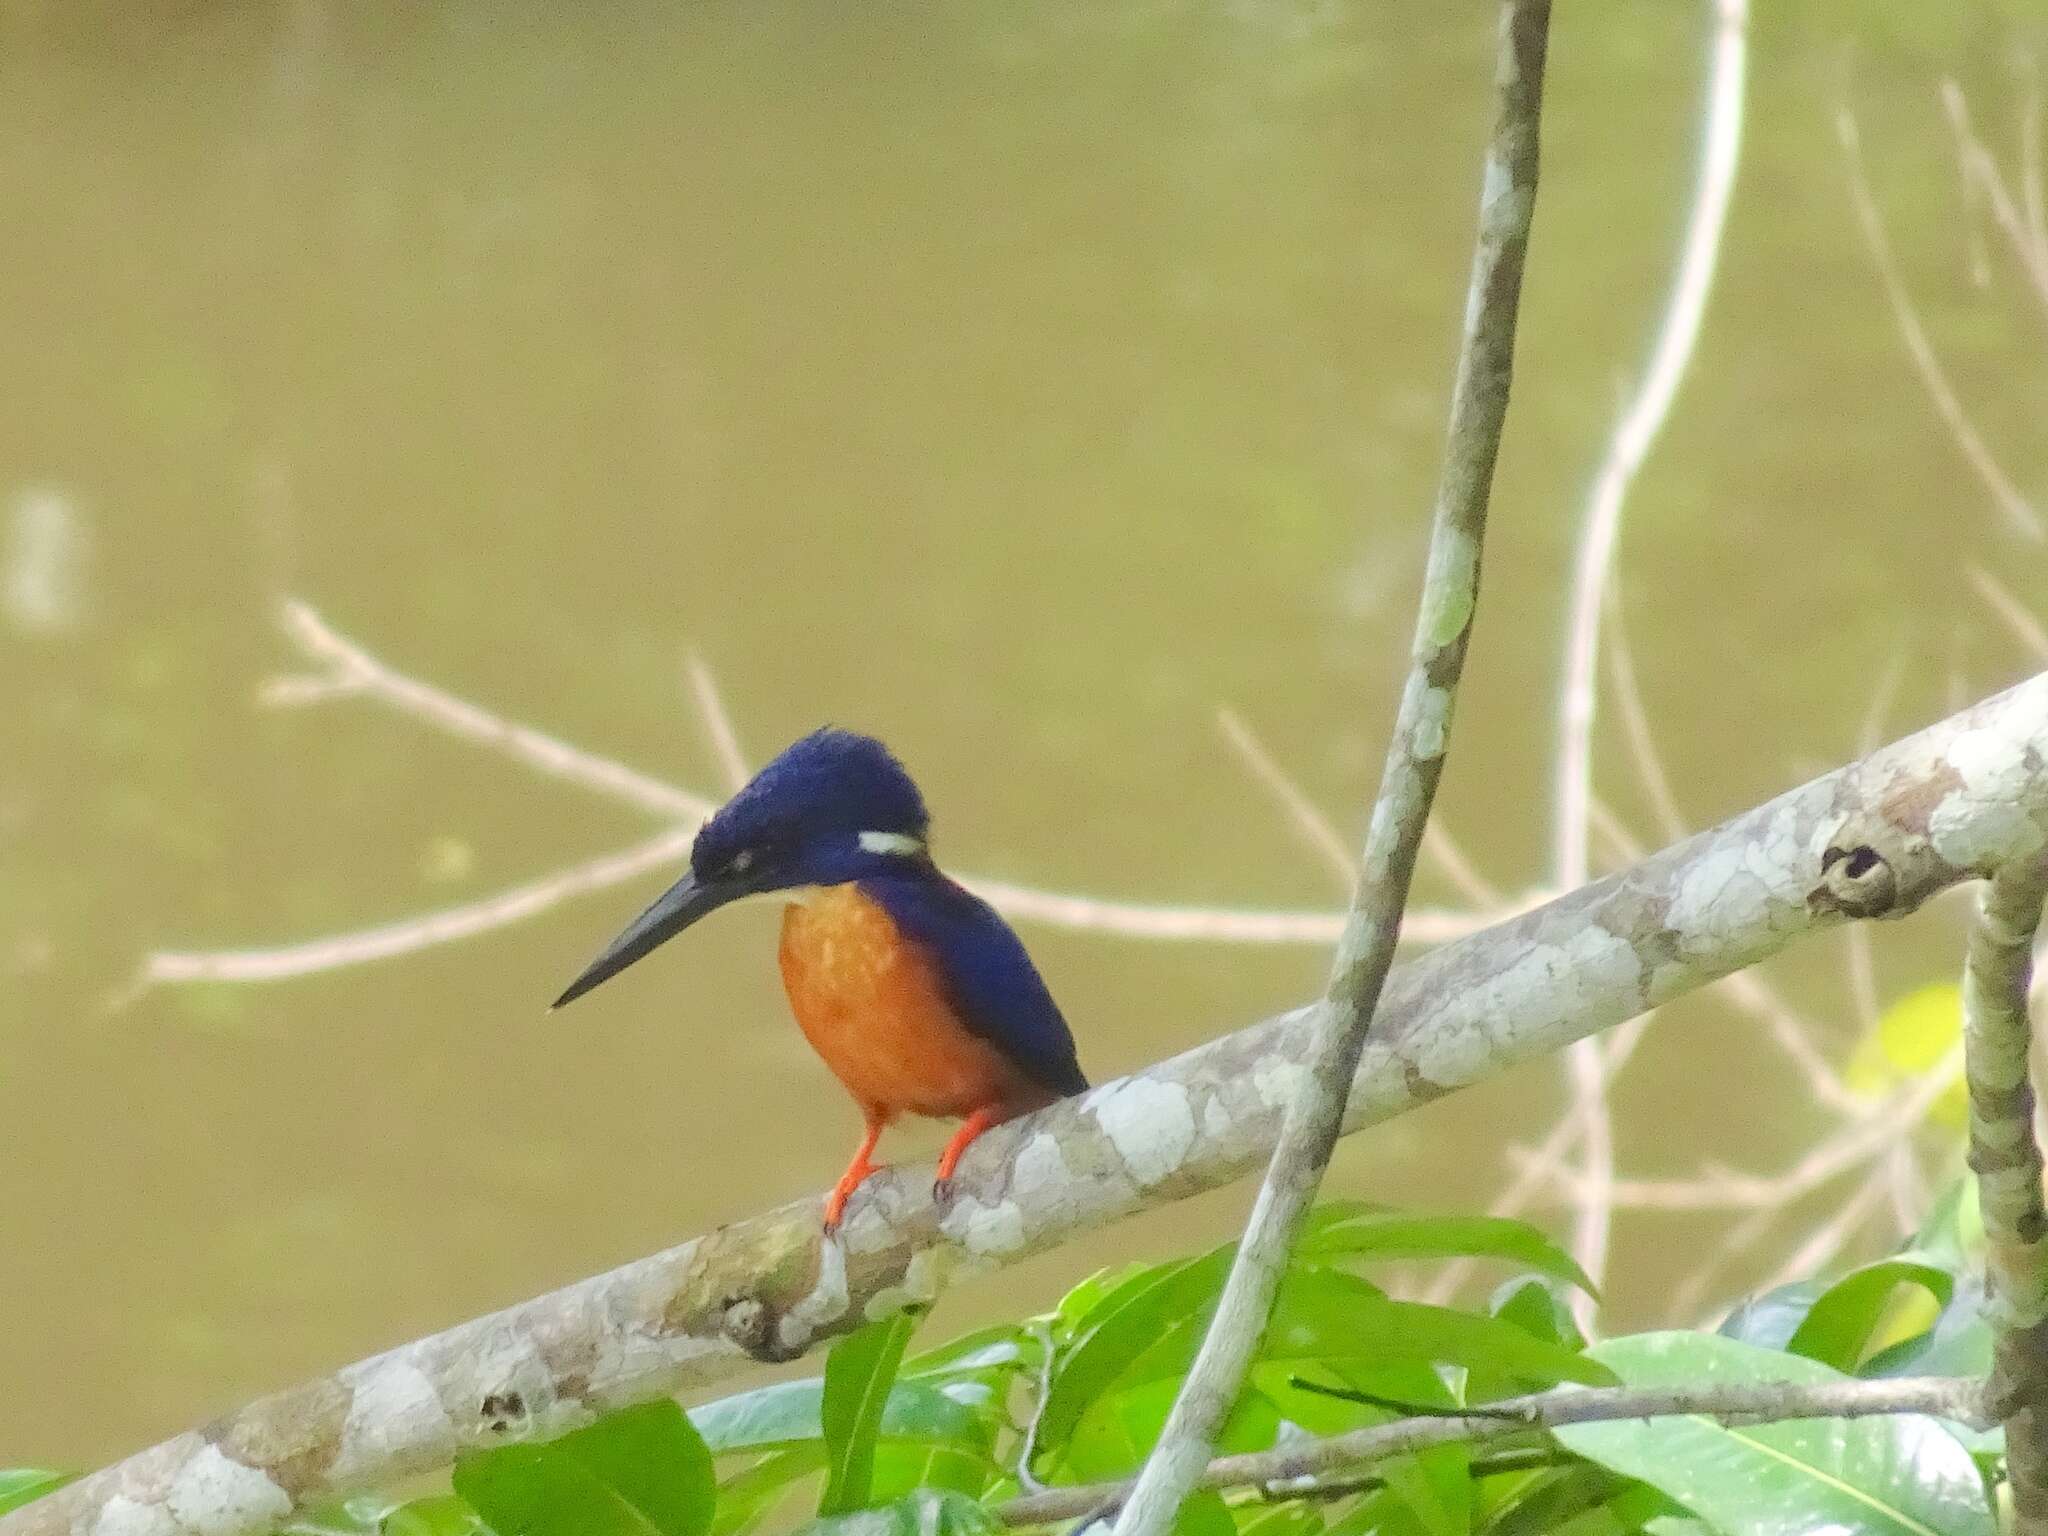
872,1006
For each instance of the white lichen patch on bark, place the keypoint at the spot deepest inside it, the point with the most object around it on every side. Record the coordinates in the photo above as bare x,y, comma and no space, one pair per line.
1150,1123
1433,723
124,1516
827,1302
1215,1118
394,1405
1040,1171
1550,992
215,1495
1987,819
1277,1080
990,1231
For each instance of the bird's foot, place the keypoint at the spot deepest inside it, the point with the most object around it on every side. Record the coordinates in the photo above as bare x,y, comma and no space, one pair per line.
944,1191
835,1203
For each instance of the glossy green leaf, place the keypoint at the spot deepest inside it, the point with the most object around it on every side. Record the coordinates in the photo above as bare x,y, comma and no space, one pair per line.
932,1512
903,1467
642,1471
1327,1315
791,1412
1126,1322
1534,1307
1900,1476
1290,1519
24,1485
1004,1345
1842,1322
443,1516
749,1497
1352,1230
1958,1343
1204,1514
859,1373
1436,1485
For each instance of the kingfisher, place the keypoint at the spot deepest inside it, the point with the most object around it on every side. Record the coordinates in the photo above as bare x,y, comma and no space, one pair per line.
919,998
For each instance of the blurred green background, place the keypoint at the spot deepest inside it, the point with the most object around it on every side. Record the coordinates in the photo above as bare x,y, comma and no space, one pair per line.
1020,383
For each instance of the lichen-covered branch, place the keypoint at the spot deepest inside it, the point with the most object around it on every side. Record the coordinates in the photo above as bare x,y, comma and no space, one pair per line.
1955,1398
1874,839
1997,1038
1414,765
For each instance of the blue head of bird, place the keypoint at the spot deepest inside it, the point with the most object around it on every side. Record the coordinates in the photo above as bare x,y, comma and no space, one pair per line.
833,807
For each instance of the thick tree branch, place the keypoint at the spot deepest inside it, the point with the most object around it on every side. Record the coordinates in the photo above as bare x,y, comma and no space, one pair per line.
1955,1398
1414,765
1876,838
1997,1038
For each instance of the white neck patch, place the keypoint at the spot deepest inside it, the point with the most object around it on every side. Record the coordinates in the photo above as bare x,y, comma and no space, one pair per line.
891,842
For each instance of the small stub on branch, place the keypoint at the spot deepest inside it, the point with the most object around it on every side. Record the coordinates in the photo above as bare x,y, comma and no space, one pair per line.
1855,881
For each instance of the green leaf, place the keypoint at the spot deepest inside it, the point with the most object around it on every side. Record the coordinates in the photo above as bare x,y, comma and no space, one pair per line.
1326,1315
927,1513
1535,1308
791,1412
1905,1474
903,1468
642,1471
1347,1229
1204,1514
1843,1321
746,1498
1006,1345
1127,1321
443,1516
858,1375
24,1485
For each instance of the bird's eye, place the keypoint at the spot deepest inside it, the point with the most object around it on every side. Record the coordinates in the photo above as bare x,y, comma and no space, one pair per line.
740,862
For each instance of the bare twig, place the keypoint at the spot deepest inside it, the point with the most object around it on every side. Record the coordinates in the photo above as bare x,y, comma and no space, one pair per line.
388,940
1981,171
346,669
1998,1037
353,670
1414,765
1301,812
1931,811
1458,868
1953,1398
1589,1067
718,726
2018,512
2012,613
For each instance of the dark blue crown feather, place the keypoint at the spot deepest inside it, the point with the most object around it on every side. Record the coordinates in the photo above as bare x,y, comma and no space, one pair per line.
829,782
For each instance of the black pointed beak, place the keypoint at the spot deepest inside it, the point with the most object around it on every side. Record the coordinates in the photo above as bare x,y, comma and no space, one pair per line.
673,911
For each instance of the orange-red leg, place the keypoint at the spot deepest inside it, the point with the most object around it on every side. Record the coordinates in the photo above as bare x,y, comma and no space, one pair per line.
974,1125
856,1171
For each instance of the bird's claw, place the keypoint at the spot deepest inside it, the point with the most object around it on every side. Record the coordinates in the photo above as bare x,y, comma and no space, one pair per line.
943,1193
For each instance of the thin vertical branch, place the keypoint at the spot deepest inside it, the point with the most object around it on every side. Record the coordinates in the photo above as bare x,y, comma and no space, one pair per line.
1587,1064
1997,1036
1415,759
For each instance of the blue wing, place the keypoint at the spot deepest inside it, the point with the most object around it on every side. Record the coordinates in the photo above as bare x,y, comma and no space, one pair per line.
991,981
